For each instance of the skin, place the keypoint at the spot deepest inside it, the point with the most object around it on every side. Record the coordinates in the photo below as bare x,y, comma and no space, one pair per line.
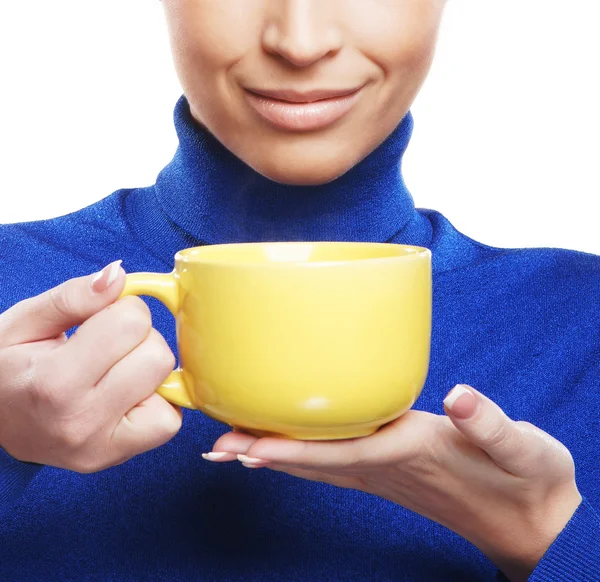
506,486
221,47
67,404
450,468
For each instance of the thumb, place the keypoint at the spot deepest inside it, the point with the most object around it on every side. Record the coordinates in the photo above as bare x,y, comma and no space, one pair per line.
53,312
486,425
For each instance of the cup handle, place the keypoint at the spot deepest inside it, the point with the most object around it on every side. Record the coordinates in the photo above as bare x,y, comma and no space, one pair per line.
165,288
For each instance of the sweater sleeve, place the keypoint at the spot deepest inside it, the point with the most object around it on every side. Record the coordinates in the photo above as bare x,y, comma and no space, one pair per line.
574,555
14,478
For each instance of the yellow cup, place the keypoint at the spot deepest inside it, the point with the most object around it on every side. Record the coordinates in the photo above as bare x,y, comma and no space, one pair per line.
313,341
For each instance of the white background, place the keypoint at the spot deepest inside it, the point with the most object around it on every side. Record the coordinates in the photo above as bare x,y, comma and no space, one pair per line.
506,141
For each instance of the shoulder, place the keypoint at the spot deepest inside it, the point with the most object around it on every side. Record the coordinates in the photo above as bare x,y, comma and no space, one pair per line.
38,255
554,284
458,252
551,289
69,228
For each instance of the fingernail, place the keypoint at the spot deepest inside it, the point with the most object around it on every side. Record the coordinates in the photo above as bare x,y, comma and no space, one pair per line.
105,278
461,402
249,460
213,456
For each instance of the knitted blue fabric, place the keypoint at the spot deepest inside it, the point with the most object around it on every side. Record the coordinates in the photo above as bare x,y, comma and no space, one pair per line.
521,325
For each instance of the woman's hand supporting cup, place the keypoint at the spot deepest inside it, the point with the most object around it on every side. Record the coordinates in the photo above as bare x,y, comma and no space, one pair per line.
89,402
507,487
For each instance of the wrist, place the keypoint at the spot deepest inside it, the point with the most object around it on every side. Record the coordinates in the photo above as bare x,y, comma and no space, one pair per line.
526,545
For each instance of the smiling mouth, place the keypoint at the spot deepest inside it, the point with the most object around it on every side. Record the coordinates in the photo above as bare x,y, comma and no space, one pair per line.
293,96
291,110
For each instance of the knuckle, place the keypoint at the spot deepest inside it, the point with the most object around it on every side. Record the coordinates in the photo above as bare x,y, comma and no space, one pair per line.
537,443
134,316
73,436
172,424
526,428
133,302
159,353
60,300
494,436
168,423
47,389
544,447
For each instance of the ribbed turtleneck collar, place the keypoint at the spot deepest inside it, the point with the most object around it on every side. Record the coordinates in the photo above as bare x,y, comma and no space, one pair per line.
216,198
206,195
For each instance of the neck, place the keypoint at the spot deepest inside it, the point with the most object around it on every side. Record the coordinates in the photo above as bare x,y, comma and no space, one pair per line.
216,198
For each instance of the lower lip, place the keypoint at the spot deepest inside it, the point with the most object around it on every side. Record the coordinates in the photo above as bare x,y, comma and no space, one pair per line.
302,116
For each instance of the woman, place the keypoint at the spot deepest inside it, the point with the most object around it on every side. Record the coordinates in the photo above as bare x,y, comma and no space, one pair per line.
294,121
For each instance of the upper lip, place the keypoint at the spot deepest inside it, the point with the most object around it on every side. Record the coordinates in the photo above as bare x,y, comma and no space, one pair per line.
294,96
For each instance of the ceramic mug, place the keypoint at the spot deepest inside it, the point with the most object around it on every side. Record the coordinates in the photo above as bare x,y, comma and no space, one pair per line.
304,340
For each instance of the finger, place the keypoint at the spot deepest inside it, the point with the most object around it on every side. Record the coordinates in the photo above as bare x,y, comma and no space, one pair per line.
150,424
102,340
136,376
330,455
393,443
229,446
57,310
486,425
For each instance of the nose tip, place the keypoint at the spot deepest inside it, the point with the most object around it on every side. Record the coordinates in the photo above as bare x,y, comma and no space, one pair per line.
303,46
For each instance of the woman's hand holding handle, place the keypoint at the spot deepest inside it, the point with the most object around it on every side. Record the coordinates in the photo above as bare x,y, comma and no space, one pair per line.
88,402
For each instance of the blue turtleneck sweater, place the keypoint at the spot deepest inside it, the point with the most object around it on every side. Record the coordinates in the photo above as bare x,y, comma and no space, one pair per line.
521,325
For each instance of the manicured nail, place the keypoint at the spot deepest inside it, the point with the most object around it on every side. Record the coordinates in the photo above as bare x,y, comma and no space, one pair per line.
105,278
249,460
213,456
461,402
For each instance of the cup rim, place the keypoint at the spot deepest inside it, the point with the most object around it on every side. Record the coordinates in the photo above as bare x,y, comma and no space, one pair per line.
414,253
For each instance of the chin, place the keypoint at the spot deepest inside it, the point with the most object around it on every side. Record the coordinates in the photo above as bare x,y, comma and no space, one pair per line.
299,169
294,175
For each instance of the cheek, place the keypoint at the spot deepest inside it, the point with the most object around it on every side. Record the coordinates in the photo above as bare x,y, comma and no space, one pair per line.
210,36
398,35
